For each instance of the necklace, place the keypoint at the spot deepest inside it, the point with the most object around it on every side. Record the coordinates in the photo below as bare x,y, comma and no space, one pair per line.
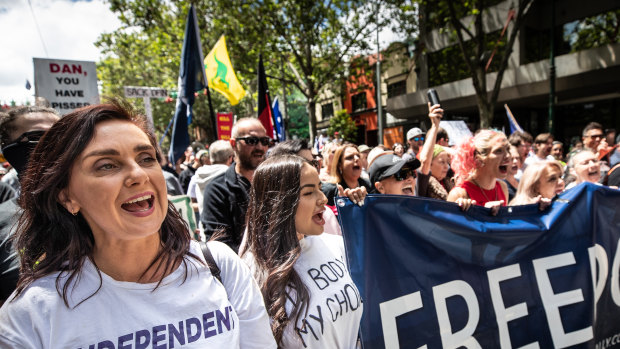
483,191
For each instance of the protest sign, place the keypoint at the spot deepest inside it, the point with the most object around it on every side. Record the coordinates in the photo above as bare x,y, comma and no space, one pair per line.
67,85
224,125
432,276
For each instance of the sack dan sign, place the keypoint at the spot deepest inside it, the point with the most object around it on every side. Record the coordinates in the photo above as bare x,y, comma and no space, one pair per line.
67,85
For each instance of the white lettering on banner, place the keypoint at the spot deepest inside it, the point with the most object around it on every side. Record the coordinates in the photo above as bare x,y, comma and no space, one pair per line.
599,261
390,310
552,301
598,257
464,337
504,315
615,283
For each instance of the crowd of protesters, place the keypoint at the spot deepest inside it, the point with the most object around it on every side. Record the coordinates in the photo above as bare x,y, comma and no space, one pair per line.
86,204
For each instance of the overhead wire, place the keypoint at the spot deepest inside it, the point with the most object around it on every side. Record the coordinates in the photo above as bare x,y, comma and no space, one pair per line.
36,23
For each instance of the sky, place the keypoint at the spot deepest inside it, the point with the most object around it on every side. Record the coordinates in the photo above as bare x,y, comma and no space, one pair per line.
68,29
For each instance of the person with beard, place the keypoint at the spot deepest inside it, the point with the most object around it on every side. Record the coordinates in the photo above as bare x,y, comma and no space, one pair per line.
20,130
226,196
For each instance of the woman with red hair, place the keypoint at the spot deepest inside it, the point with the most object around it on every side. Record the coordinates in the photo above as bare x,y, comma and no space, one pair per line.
478,163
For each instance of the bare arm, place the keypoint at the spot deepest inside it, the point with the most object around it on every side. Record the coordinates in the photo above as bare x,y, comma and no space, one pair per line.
435,113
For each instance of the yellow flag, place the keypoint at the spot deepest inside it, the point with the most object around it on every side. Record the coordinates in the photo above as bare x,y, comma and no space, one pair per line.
220,74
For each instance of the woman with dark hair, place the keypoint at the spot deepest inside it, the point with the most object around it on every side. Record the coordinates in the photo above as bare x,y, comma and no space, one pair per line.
478,163
106,260
346,172
289,255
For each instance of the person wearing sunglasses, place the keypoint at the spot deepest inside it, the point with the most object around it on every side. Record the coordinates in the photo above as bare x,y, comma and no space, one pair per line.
20,131
415,140
393,175
226,196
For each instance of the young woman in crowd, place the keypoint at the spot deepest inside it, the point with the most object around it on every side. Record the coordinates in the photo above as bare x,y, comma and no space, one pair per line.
289,256
478,163
584,166
346,171
515,165
107,261
541,182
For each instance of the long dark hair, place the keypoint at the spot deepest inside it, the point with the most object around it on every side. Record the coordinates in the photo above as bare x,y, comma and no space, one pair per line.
48,237
272,237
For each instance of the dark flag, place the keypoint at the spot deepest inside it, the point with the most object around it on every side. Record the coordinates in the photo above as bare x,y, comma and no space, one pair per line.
28,86
265,113
191,79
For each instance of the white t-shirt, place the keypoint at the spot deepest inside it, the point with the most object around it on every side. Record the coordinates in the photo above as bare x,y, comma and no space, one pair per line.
197,312
335,307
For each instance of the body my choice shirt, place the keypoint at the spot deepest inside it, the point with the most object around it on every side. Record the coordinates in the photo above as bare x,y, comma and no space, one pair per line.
196,312
335,307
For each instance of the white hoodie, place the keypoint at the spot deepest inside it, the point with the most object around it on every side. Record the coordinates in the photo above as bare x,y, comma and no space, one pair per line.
203,175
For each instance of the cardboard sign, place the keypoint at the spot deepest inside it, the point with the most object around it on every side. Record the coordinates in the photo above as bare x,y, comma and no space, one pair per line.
67,85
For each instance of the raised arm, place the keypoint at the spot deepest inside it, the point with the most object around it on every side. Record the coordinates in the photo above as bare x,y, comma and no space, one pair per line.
435,113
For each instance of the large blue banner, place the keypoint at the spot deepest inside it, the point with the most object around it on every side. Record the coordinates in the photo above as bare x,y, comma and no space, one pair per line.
432,276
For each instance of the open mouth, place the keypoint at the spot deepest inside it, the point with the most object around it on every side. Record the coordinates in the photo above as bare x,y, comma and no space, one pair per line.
318,218
594,174
408,190
140,204
514,168
356,168
503,168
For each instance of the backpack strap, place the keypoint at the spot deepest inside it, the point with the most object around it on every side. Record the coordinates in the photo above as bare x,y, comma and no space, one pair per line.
215,270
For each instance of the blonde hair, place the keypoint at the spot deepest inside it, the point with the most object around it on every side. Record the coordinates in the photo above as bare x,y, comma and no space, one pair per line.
529,185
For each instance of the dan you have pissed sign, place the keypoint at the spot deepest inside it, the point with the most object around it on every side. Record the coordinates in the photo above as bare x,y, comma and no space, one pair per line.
67,85
432,276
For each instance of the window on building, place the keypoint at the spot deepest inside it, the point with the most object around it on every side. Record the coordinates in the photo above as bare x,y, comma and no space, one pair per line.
327,110
447,65
358,101
581,34
397,88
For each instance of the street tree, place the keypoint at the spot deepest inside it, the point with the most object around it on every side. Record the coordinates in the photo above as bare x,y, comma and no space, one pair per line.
463,21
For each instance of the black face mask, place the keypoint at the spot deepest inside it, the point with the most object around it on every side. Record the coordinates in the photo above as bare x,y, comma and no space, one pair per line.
18,152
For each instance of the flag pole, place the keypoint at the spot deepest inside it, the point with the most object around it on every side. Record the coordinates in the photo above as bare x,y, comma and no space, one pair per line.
213,119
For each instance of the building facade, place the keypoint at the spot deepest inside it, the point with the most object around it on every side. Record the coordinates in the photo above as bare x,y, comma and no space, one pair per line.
587,61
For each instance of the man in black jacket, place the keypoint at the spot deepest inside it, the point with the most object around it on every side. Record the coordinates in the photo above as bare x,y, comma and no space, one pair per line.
226,196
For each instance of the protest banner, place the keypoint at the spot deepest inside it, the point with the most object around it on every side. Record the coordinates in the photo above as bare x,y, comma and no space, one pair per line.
67,85
432,276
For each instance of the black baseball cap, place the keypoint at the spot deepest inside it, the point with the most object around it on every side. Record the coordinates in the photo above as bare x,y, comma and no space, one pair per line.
387,165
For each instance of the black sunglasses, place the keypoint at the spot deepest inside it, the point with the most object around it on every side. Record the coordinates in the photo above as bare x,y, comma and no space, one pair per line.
404,173
31,137
254,140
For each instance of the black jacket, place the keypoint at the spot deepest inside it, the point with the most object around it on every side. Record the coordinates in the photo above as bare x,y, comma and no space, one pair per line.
224,206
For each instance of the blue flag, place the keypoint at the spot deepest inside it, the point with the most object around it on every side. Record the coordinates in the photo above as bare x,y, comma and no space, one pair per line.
432,276
514,125
191,79
277,116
